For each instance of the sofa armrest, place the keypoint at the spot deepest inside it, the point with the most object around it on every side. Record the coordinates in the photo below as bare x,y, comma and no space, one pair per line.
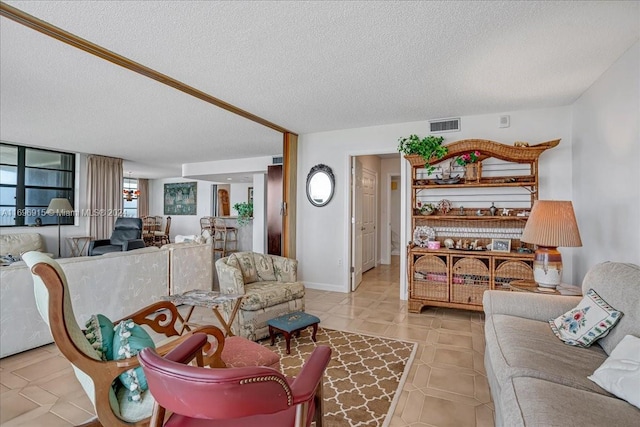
96,243
285,269
229,278
130,245
527,305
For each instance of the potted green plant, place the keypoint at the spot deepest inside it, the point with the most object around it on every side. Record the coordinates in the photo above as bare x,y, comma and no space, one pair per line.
422,150
245,212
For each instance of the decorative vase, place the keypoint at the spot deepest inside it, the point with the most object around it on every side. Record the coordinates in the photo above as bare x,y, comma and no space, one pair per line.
471,172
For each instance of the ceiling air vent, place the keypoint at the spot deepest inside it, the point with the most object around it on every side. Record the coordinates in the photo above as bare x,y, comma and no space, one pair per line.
277,160
444,125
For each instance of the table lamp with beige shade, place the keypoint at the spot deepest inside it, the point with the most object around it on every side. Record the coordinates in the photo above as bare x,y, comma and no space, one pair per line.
552,223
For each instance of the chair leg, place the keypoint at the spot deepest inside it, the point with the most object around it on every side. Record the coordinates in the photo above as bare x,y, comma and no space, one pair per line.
319,401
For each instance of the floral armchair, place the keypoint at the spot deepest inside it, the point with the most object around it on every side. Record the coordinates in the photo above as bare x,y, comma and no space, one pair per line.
269,284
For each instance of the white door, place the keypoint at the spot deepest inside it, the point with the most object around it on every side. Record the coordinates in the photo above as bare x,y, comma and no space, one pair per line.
356,222
369,189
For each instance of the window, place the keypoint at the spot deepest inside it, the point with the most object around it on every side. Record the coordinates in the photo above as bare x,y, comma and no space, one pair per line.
29,179
130,186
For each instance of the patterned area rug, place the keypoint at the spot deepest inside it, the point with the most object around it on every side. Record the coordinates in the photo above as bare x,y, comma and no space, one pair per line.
362,378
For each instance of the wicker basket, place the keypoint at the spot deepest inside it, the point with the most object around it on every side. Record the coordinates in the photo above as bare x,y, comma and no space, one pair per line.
508,271
470,277
430,279
415,160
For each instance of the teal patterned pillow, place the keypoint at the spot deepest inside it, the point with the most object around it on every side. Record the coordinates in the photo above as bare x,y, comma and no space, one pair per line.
128,340
99,333
591,320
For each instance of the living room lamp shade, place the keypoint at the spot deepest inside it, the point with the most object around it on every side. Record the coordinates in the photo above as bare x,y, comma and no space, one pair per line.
552,223
59,206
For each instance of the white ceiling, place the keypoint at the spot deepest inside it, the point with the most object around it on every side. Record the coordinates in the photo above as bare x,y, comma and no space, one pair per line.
307,66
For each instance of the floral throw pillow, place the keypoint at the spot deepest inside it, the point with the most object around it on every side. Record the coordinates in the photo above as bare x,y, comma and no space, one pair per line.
591,320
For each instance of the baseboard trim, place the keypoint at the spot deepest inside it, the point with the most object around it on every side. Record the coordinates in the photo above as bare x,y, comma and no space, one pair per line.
325,287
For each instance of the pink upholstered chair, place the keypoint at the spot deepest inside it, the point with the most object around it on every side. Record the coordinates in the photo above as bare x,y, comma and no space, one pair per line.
232,397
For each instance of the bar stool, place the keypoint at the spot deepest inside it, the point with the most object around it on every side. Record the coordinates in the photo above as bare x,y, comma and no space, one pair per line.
206,223
225,238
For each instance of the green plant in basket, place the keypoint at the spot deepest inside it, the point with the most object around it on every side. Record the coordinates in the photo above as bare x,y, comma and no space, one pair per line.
430,147
245,212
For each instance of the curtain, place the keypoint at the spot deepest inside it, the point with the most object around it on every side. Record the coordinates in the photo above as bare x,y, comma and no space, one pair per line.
143,198
104,194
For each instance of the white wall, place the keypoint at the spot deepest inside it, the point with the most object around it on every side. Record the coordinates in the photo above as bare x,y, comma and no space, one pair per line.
81,225
239,193
180,224
606,159
323,233
389,209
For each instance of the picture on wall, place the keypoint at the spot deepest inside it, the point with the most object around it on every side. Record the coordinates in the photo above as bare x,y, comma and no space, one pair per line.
180,198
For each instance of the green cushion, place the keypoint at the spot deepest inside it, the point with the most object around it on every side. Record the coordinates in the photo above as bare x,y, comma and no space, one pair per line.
99,332
128,340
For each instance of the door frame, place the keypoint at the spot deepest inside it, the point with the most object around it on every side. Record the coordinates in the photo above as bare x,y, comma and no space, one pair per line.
376,226
386,257
405,218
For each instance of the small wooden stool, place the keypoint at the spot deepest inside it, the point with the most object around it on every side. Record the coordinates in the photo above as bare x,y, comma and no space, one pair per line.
290,324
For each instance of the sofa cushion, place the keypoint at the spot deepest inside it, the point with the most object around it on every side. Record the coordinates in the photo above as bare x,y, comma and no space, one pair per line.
266,294
285,269
264,267
525,347
536,402
123,236
19,243
583,325
247,266
617,283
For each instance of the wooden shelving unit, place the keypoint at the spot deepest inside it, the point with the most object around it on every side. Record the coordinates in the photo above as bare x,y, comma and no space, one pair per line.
458,278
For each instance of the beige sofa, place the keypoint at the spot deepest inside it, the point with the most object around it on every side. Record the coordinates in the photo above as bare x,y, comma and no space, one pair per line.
113,284
19,243
536,379
269,285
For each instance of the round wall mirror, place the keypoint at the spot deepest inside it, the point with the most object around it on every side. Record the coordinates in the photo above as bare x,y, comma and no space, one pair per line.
320,185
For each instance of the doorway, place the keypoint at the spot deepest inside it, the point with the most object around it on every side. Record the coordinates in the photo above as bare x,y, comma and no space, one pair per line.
370,211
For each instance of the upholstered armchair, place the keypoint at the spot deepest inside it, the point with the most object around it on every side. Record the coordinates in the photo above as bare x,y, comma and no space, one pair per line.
126,236
117,405
269,285
250,396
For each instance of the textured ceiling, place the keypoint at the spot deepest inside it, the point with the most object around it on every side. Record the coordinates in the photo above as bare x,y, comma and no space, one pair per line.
308,66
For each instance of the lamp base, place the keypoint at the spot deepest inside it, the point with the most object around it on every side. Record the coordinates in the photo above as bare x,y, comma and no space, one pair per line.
547,267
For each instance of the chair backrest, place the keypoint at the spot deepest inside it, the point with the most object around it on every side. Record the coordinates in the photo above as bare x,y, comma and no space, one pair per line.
167,226
54,304
148,224
192,391
126,229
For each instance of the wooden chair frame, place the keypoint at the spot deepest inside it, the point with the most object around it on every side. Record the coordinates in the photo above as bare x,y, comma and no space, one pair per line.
160,316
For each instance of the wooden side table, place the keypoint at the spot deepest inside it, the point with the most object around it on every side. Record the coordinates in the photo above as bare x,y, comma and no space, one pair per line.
529,286
210,299
77,244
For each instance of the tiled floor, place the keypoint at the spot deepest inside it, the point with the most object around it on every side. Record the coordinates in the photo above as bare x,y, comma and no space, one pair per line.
446,385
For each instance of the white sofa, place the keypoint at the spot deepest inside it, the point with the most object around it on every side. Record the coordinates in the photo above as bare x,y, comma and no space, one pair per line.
18,243
113,284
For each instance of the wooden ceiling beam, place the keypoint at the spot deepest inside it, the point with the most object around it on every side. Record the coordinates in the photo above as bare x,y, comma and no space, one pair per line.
43,27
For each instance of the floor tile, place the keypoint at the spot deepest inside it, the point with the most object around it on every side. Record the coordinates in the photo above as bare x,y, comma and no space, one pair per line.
446,384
